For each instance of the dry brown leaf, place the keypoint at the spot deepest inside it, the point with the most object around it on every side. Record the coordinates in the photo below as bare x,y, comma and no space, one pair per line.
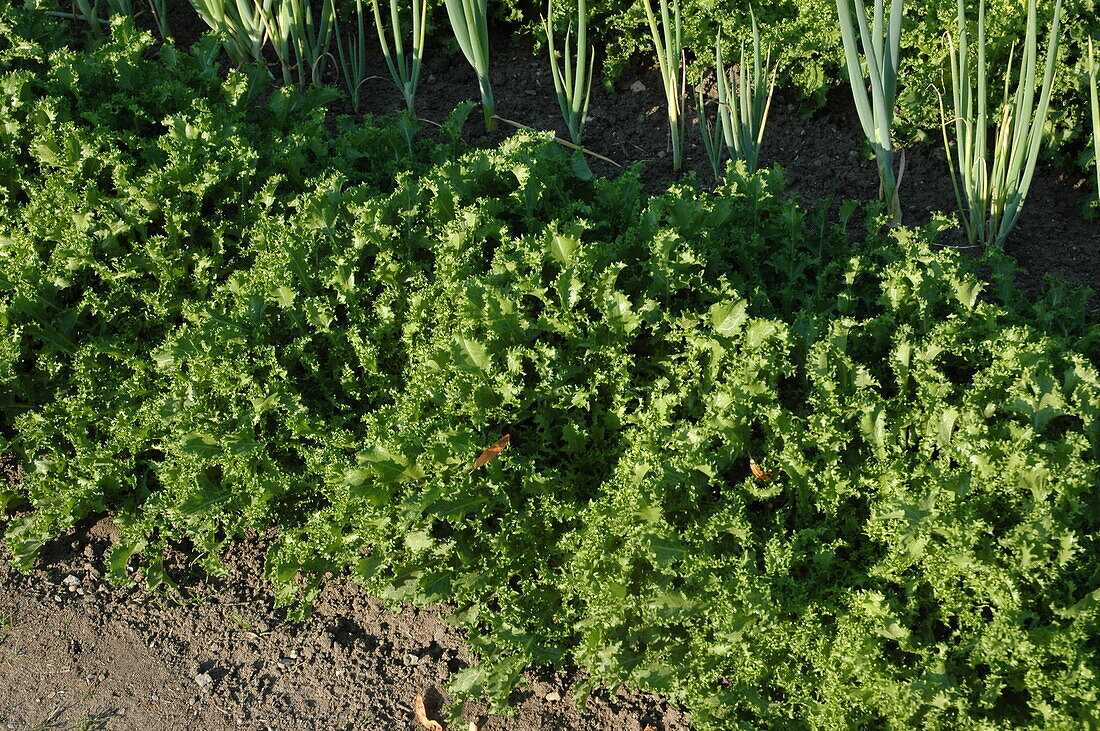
422,714
491,453
758,472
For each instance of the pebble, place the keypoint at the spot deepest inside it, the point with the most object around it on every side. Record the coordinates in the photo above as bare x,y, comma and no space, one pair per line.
285,661
637,87
204,681
71,582
553,696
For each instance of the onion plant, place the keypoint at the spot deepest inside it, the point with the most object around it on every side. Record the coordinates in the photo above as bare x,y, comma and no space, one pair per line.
876,93
353,56
1094,97
404,68
120,7
300,43
241,24
160,16
991,185
87,12
670,60
743,110
572,78
470,23
712,140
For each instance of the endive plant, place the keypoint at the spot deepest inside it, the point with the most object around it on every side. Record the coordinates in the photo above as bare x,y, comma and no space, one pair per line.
1094,98
991,184
404,67
670,60
241,24
300,43
470,23
743,107
876,92
573,77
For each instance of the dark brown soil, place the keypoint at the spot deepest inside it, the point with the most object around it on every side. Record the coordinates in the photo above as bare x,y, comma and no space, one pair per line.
76,652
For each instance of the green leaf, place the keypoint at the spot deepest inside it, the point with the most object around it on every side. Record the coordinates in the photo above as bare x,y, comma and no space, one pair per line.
388,467
873,425
667,550
470,355
458,508
202,445
727,318
562,247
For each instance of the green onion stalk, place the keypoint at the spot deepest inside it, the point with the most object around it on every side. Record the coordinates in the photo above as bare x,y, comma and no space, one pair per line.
353,56
404,68
991,185
300,43
744,114
573,77
241,24
87,12
1094,98
120,7
667,42
470,23
159,9
712,141
875,94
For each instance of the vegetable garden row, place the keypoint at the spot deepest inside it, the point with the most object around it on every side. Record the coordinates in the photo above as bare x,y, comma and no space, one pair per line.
786,480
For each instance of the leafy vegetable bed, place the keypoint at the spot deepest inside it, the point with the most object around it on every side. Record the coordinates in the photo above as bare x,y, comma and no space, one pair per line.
225,318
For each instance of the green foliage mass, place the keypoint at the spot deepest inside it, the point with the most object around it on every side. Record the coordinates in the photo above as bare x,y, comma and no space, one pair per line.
805,39
225,318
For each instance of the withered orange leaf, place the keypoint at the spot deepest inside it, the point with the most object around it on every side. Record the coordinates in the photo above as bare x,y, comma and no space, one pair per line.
758,472
422,714
491,453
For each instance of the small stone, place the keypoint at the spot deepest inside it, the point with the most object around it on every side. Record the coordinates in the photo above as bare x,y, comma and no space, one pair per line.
204,681
637,87
155,697
71,582
553,696
285,661
411,659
